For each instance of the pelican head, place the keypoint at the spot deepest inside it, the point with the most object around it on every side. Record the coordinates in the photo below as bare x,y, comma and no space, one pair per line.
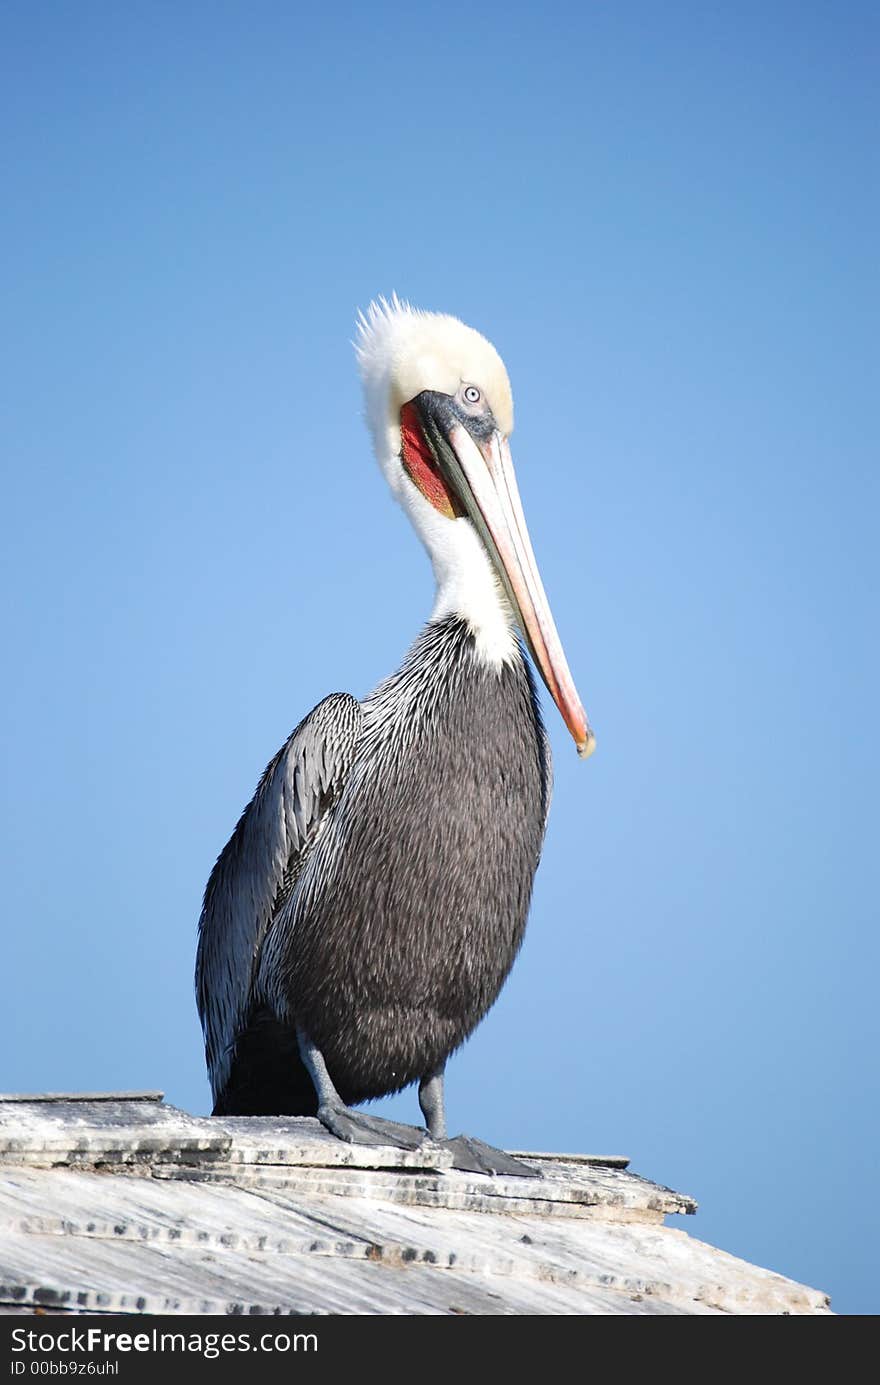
440,410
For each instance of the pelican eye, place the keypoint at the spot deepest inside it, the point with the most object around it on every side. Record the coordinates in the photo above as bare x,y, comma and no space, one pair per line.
471,394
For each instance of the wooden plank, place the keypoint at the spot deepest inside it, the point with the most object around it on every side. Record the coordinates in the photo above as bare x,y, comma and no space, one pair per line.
117,1132
52,1272
611,1161
121,1133
303,1141
82,1096
298,1153
44,1202
195,1215
564,1190
211,1231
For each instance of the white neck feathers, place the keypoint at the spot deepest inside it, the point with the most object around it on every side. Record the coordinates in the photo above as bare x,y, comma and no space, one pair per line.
467,585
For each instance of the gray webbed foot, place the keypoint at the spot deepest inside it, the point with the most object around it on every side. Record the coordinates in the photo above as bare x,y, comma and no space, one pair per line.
473,1156
358,1129
468,1154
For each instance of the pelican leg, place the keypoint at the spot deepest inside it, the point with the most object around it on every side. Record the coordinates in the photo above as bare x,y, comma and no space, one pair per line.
351,1126
468,1154
433,1106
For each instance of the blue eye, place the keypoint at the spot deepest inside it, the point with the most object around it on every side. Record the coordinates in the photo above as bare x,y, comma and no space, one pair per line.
472,394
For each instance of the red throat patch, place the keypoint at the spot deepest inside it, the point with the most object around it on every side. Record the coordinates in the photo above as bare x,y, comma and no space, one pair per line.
419,464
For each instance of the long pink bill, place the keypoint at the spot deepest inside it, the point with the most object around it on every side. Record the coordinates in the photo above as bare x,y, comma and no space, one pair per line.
487,487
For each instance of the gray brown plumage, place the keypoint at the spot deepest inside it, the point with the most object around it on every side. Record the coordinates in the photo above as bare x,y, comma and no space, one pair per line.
386,940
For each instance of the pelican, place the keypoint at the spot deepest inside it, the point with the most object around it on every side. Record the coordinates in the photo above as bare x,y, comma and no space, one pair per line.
368,908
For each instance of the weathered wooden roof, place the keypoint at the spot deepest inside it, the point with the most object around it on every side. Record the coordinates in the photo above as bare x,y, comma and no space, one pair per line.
119,1203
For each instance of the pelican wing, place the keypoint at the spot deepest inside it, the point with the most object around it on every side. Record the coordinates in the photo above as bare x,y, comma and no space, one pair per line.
259,866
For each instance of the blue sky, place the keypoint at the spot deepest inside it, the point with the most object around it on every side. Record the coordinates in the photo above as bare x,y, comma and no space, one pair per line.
665,217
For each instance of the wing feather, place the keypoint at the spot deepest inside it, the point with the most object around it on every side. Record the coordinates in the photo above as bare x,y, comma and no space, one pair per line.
259,866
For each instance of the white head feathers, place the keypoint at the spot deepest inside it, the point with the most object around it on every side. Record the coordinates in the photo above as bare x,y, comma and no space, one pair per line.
402,351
